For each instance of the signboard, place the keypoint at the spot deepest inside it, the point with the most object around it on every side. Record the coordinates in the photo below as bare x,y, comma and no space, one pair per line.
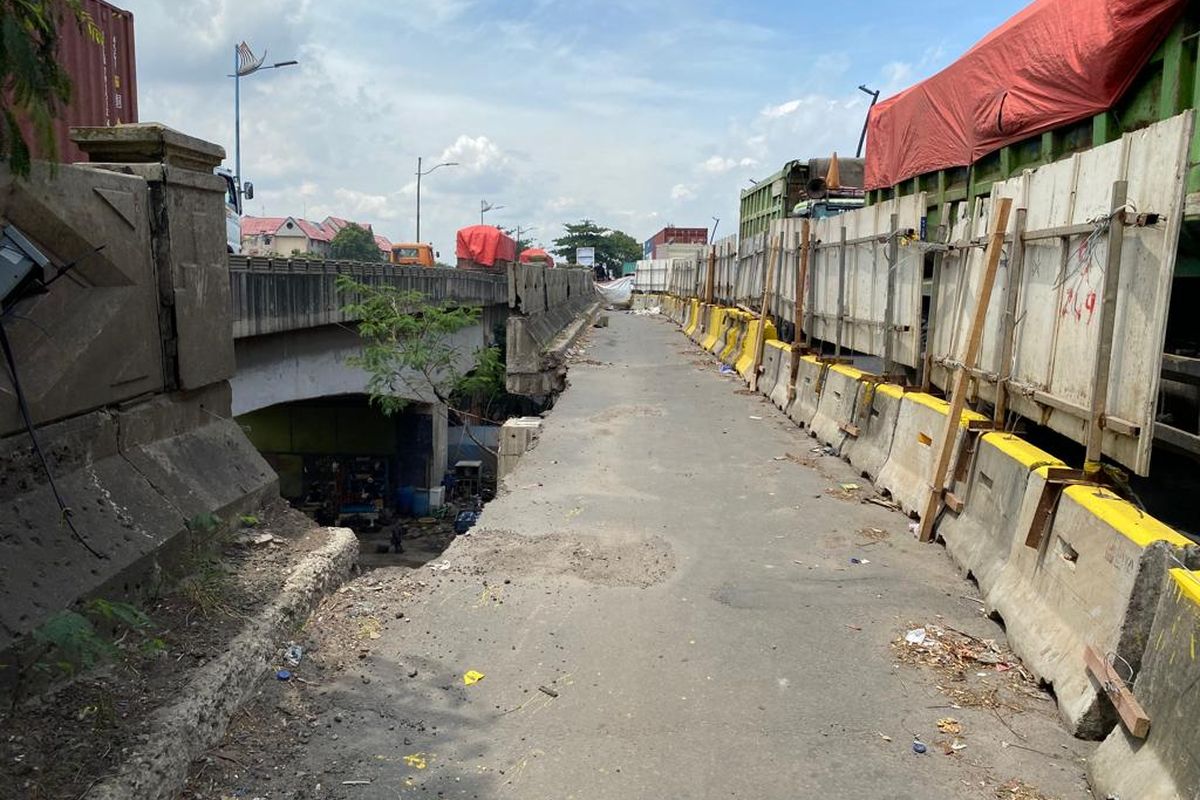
585,256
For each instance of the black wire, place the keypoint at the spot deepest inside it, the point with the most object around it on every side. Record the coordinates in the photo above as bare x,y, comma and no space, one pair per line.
37,447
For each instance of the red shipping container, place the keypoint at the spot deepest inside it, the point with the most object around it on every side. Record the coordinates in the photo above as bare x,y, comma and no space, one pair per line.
100,60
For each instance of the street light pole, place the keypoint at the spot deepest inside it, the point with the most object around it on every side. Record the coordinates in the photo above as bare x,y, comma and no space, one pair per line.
484,207
420,174
244,63
874,99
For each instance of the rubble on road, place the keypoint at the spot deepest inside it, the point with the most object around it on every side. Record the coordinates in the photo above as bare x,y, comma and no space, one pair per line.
966,666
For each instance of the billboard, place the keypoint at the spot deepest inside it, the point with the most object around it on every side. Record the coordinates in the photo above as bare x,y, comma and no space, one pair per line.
585,256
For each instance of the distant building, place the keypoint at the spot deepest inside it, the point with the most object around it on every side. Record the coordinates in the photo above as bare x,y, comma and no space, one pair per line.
778,196
285,236
671,235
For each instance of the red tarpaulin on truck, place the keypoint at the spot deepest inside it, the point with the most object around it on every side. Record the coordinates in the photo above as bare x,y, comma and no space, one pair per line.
1056,62
485,245
528,256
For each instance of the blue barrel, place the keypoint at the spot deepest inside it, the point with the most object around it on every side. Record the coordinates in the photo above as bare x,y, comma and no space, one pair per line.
404,500
420,506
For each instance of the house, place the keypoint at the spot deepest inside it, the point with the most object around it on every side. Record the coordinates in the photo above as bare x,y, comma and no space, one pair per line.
286,236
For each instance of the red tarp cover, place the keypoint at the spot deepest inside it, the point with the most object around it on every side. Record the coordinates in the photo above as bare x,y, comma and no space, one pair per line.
527,256
485,245
1056,62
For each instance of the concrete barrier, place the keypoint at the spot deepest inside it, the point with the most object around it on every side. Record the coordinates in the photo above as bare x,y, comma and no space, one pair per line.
982,536
1094,580
705,322
734,336
715,341
918,434
875,417
837,404
808,386
745,359
694,314
780,394
776,365
1167,762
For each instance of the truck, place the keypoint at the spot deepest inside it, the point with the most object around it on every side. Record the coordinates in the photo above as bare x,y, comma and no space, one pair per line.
411,254
484,247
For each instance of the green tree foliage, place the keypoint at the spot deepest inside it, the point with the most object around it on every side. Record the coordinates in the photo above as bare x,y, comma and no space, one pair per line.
355,243
613,247
33,86
407,348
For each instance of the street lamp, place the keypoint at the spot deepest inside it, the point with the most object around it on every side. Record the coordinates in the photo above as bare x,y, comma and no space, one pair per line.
245,63
484,207
874,99
419,175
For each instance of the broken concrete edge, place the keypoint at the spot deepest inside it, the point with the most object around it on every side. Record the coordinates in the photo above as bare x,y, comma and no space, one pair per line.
540,372
1127,550
183,731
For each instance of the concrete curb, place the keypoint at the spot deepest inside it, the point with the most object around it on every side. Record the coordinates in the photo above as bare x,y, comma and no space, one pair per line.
181,732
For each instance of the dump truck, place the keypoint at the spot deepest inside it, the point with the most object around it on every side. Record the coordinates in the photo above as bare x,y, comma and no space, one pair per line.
484,247
411,254
536,255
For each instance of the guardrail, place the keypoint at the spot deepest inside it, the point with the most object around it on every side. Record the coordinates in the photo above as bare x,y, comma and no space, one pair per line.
274,295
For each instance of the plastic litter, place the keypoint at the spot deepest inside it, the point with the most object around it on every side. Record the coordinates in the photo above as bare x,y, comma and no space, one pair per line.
918,746
725,369
915,636
860,561
283,675
472,676
293,654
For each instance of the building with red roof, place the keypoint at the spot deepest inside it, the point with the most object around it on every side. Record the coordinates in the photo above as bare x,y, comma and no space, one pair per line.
286,236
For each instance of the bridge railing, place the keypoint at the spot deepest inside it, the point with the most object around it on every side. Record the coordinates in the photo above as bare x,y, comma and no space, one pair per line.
274,295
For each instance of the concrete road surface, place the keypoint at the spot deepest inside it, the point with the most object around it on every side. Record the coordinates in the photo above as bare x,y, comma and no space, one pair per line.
662,605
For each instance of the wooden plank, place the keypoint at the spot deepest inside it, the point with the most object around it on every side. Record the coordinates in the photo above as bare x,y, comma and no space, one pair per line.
1016,261
841,295
711,282
958,397
954,502
1133,716
768,280
889,306
850,429
1178,439
1108,321
941,236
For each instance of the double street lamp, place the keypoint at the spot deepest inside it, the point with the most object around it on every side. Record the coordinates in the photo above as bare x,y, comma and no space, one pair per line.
245,63
484,207
420,175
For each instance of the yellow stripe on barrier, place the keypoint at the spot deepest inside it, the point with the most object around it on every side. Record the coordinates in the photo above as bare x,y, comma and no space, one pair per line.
1133,523
778,345
942,407
716,320
890,390
1188,582
1021,451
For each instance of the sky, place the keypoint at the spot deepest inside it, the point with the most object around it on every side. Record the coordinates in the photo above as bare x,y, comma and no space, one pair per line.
636,114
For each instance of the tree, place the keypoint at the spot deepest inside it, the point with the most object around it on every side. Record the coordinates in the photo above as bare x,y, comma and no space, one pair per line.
355,243
34,87
408,350
613,247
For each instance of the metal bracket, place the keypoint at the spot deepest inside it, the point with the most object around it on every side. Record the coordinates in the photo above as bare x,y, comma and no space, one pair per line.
1057,479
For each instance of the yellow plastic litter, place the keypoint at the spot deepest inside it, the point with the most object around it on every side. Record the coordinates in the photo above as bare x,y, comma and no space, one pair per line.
472,676
416,761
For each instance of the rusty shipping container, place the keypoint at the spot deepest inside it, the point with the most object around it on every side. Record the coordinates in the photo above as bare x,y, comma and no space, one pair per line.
99,58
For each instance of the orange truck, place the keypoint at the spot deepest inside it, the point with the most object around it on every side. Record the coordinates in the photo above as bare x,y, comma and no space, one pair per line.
484,247
411,254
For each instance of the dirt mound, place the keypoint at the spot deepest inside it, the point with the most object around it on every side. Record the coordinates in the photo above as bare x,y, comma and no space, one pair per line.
634,561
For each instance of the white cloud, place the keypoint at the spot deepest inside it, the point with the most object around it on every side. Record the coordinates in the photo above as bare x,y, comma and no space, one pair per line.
781,110
682,191
718,164
475,153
